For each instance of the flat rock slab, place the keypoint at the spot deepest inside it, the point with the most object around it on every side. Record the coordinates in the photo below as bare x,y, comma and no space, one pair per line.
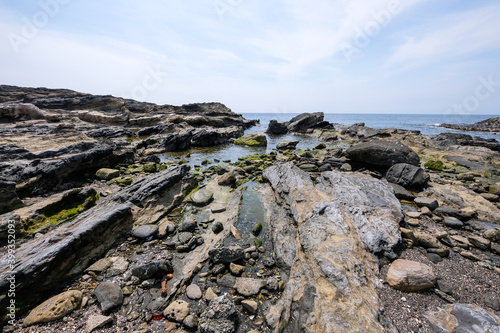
452,222
407,275
96,321
248,286
109,295
55,308
202,197
145,231
427,202
464,318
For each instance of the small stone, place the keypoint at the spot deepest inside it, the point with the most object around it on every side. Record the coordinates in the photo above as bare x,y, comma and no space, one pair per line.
201,197
218,209
461,239
99,266
193,292
226,281
407,275
188,226
493,303
165,228
434,258
413,222
97,321
469,255
268,262
145,231
119,266
250,306
107,174
407,233
452,222
190,322
217,227
492,234
479,242
236,269
248,286
426,240
109,295
177,310
261,249
218,269
150,167
257,229
226,254
441,252
426,211
413,215
55,308
210,294
426,202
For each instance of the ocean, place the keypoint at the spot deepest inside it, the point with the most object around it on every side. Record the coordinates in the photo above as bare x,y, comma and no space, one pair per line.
425,123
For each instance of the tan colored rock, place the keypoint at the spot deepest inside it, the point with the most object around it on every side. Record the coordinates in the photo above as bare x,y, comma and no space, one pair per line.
236,269
461,239
407,275
96,321
470,255
479,242
55,308
107,174
426,240
177,310
210,294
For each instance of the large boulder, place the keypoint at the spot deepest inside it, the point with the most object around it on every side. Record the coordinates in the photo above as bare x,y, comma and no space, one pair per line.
276,128
406,175
407,275
382,153
305,121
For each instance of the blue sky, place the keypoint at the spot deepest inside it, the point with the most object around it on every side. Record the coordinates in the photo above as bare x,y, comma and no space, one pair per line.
380,56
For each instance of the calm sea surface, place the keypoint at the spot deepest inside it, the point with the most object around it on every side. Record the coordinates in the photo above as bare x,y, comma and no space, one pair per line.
425,123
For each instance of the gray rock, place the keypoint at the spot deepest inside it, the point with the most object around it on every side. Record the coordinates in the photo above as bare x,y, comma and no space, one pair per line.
226,281
248,286
220,316
452,222
99,266
109,295
152,269
432,204
406,175
401,193
188,226
227,179
383,153
464,318
305,121
184,237
226,254
190,322
479,242
287,145
145,231
193,292
118,266
202,197
8,197
97,321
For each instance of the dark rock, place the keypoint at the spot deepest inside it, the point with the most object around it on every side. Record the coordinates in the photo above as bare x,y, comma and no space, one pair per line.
145,231
110,133
150,270
452,222
488,125
8,197
188,226
401,193
217,227
227,179
434,258
406,175
432,204
305,121
226,281
184,237
335,162
226,254
151,159
109,295
9,152
466,162
463,318
451,211
287,145
276,128
382,153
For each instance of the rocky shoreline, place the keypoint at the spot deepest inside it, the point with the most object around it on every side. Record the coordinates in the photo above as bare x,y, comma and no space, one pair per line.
371,231
488,125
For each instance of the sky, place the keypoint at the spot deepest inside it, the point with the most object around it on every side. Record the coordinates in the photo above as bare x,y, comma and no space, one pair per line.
281,56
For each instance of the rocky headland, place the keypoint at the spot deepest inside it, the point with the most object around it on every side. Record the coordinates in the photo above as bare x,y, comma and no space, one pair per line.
488,125
369,231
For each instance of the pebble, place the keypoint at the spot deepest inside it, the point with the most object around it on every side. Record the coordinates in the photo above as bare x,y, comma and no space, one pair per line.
236,269
210,294
250,306
193,291
96,321
217,227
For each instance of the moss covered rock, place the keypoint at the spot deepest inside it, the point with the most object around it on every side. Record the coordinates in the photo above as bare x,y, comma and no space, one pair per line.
434,165
258,140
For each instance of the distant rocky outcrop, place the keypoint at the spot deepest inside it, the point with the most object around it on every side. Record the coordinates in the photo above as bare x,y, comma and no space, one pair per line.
298,124
488,125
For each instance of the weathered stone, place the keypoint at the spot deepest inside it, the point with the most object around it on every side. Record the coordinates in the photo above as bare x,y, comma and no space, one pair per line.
227,281
236,269
188,225
384,153
406,175
304,121
193,292
479,242
54,308
150,167
118,266
177,310
220,316
109,295
99,266
432,204
97,321
464,318
227,179
145,231
226,254
210,294
469,255
248,286
150,270
190,322
492,234
409,275
286,145
107,174
202,197
250,306
252,139
452,222
426,240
